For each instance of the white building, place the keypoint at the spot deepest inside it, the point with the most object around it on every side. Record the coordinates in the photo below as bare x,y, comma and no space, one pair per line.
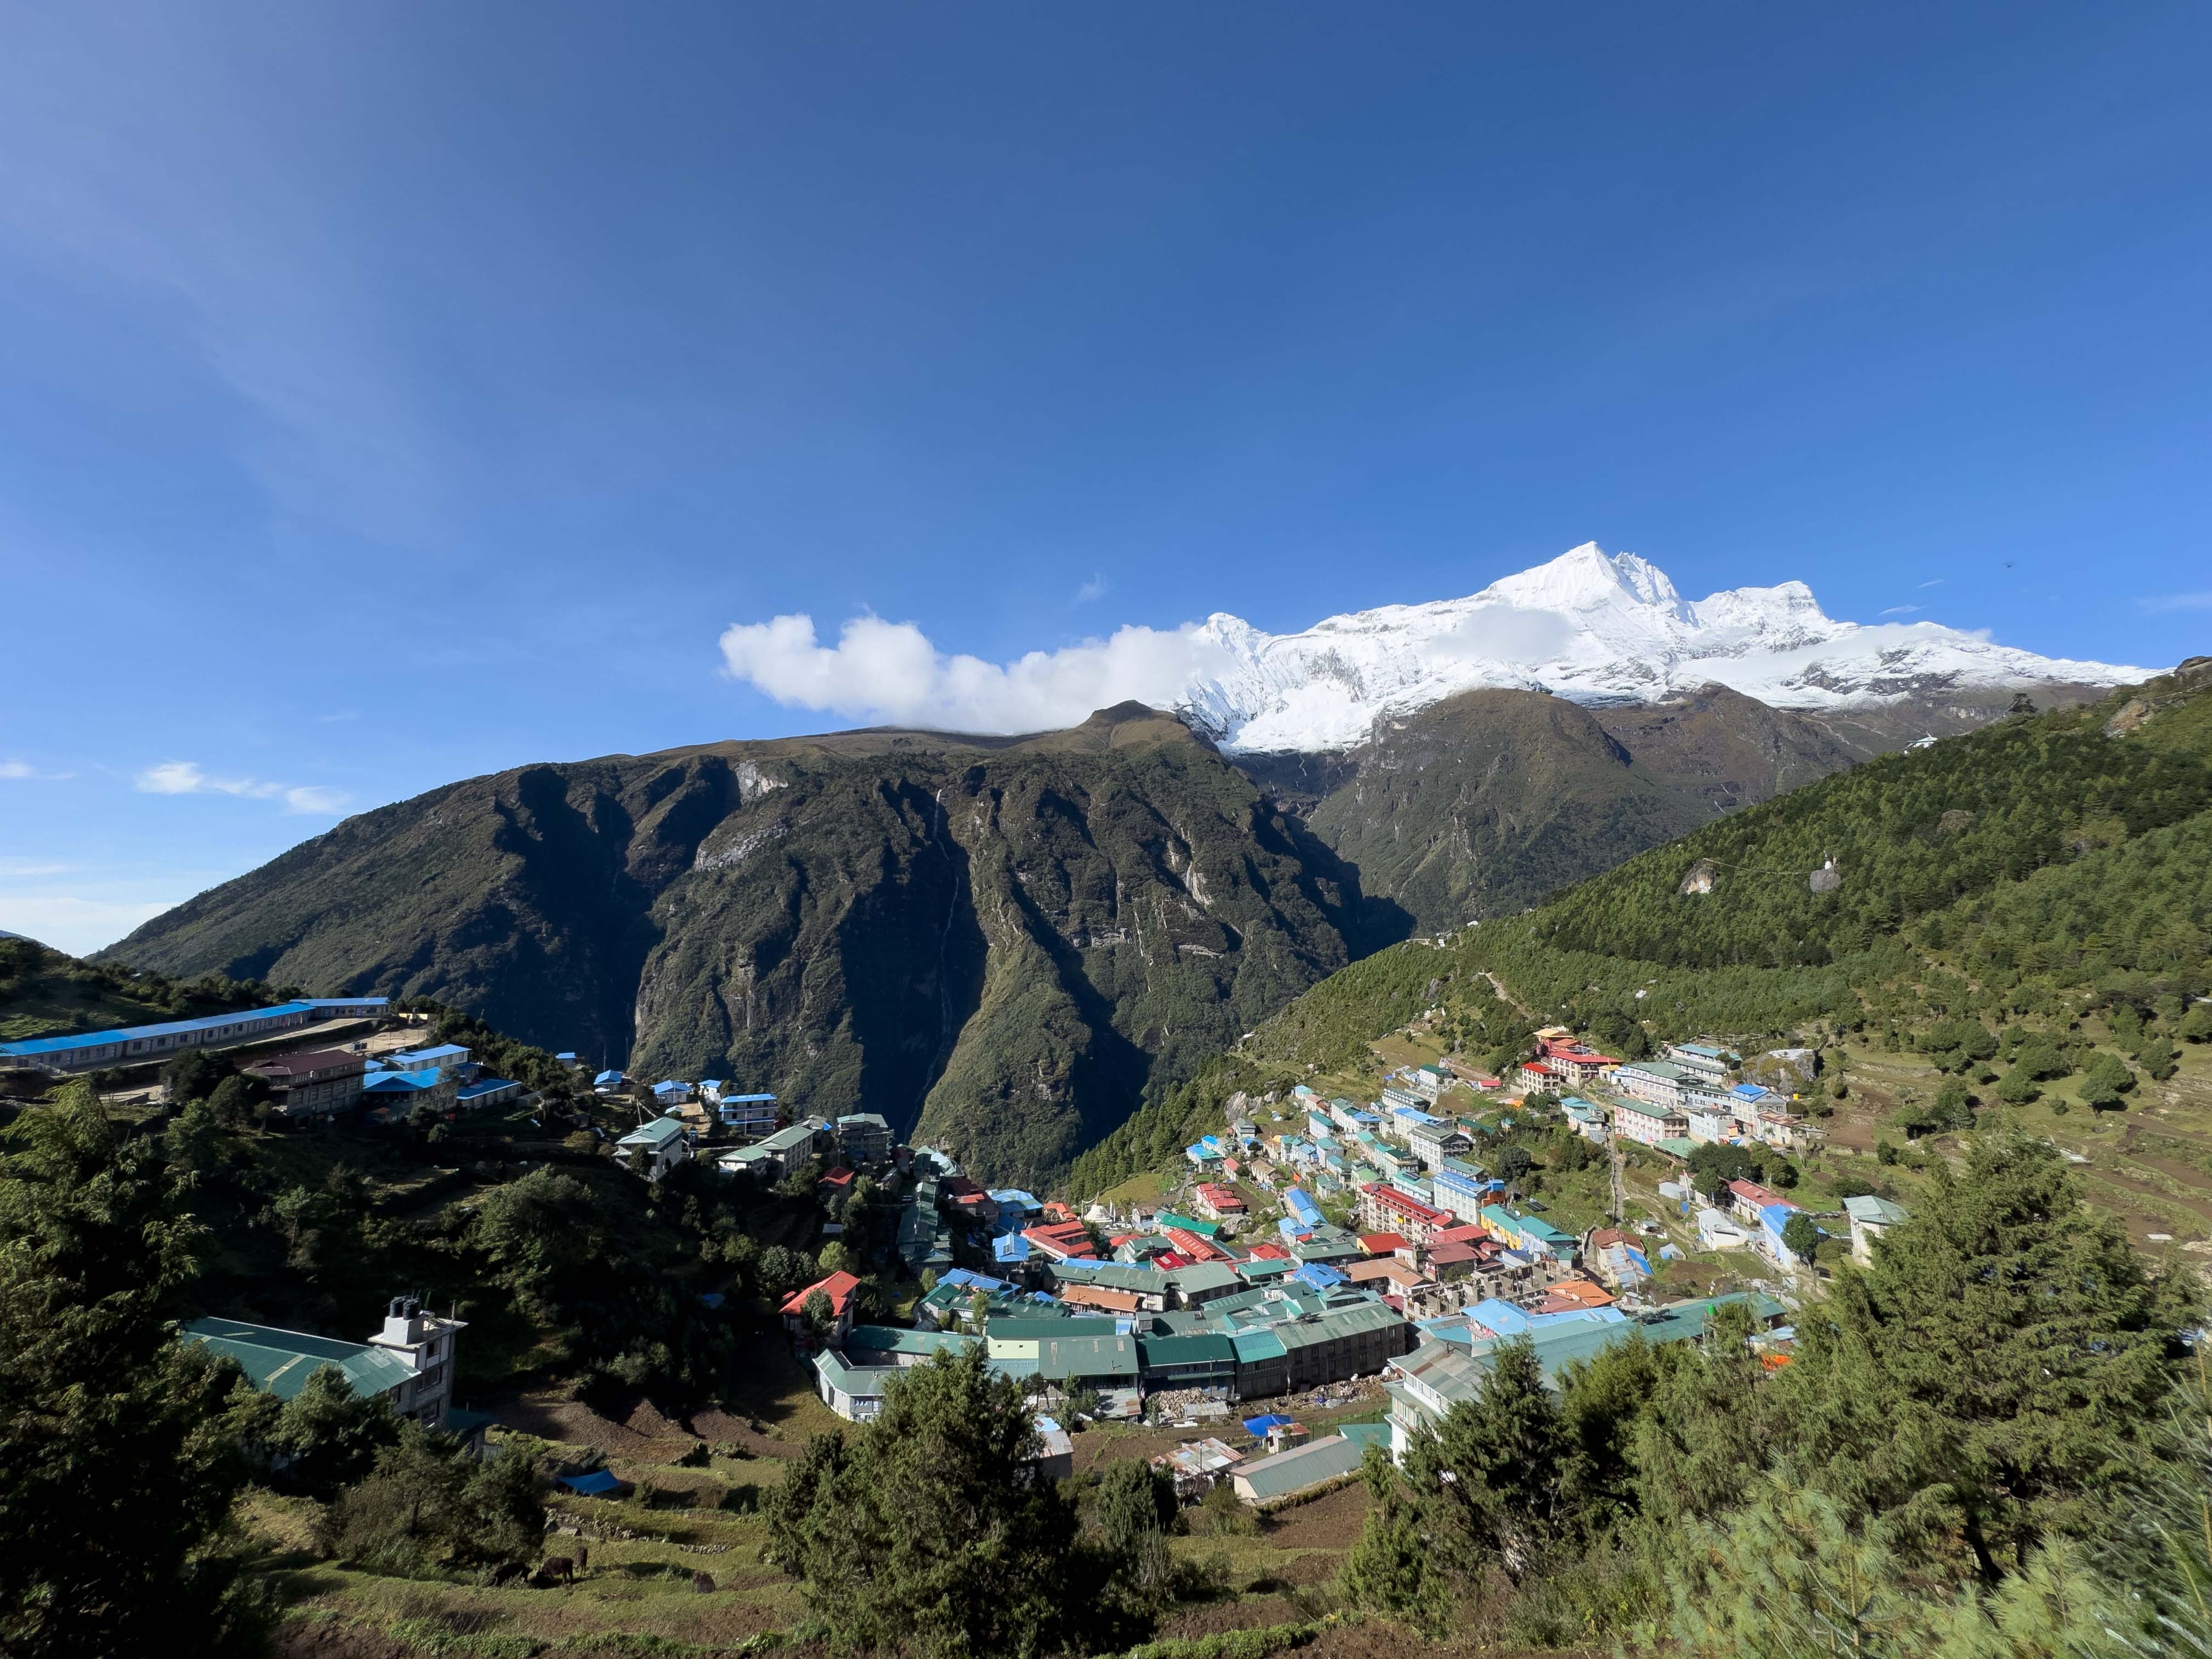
651,1150
1871,1219
1643,1121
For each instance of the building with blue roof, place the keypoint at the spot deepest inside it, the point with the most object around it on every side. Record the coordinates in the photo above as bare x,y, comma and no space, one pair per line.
488,1091
751,1114
135,1045
439,1057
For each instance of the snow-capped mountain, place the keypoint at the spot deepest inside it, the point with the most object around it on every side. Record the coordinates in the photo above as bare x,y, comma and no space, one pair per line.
1592,628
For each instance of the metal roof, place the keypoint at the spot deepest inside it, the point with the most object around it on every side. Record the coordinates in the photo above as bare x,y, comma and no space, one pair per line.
1301,1467
1087,1356
126,1034
280,1362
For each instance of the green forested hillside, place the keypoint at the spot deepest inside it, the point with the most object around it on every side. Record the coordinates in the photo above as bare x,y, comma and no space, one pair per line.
2016,879
45,993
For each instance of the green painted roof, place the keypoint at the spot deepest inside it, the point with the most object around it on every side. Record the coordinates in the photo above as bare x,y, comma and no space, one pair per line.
1087,1356
280,1362
1301,1467
1253,1346
1202,1276
893,1339
1167,1219
1339,1323
1015,1329
1112,1276
1160,1352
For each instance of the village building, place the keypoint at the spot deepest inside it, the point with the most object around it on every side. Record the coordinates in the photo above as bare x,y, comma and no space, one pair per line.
137,1045
1648,1122
1286,1474
408,1363
653,1149
314,1083
1872,1220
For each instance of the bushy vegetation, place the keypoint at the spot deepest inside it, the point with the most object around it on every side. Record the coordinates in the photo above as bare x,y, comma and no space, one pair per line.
1958,1459
43,992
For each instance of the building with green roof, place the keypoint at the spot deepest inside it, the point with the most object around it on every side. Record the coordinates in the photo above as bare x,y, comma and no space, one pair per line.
1270,1479
1202,1360
409,1362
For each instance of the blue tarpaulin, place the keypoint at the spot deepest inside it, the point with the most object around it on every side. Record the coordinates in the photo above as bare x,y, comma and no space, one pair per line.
1257,1427
599,1481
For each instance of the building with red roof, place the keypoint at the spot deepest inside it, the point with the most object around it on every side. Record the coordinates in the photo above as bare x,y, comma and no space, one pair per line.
1063,1241
840,1288
1381,1244
1385,1209
1217,1201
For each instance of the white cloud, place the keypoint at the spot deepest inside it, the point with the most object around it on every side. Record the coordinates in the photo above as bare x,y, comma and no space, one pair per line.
2179,602
1093,589
186,778
1901,611
15,768
1938,582
890,671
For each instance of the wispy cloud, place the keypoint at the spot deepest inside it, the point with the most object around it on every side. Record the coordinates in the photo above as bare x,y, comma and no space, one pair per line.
1093,589
1901,611
186,778
15,768
2178,602
1938,582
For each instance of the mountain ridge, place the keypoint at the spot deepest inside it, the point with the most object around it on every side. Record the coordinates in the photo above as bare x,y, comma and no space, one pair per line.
1594,630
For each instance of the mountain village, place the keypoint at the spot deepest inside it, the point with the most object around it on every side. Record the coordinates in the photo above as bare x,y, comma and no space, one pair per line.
1318,1254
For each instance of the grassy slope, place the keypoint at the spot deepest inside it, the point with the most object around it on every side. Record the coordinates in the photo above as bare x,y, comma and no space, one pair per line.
45,993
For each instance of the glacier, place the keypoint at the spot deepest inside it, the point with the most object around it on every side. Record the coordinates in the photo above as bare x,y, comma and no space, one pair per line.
1594,628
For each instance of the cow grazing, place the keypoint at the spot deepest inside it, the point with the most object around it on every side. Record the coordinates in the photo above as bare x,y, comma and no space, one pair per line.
703,1583
560,1567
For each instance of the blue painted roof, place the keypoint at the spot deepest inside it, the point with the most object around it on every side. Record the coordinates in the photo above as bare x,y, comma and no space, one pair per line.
747,1100
608,1077
59,1045
485,1085
402,1083
1009,1247
441,1051
347,1002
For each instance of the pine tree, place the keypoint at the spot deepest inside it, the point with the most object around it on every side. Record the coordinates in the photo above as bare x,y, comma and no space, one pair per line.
1493,1471
118,1459
1987,1381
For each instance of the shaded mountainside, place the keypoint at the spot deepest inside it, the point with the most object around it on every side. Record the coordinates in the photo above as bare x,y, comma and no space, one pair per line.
1000,942
1485,804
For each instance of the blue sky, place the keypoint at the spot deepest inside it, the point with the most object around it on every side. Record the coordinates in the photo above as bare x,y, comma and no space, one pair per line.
390,394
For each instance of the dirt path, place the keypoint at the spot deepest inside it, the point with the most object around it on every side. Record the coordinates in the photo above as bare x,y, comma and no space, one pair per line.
1506,996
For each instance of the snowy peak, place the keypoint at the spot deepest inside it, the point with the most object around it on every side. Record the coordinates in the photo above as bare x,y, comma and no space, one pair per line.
1584,579
1592,628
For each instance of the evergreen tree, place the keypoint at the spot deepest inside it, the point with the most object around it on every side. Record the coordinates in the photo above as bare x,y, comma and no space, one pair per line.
930,1528
1493,1475
1387,1568
118,1459
1987,1382
331,1436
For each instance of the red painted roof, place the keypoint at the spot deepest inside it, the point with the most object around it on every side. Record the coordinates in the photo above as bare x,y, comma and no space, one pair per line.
1751,1192
1269,1253
1381,1244
1408,1205
838,1287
